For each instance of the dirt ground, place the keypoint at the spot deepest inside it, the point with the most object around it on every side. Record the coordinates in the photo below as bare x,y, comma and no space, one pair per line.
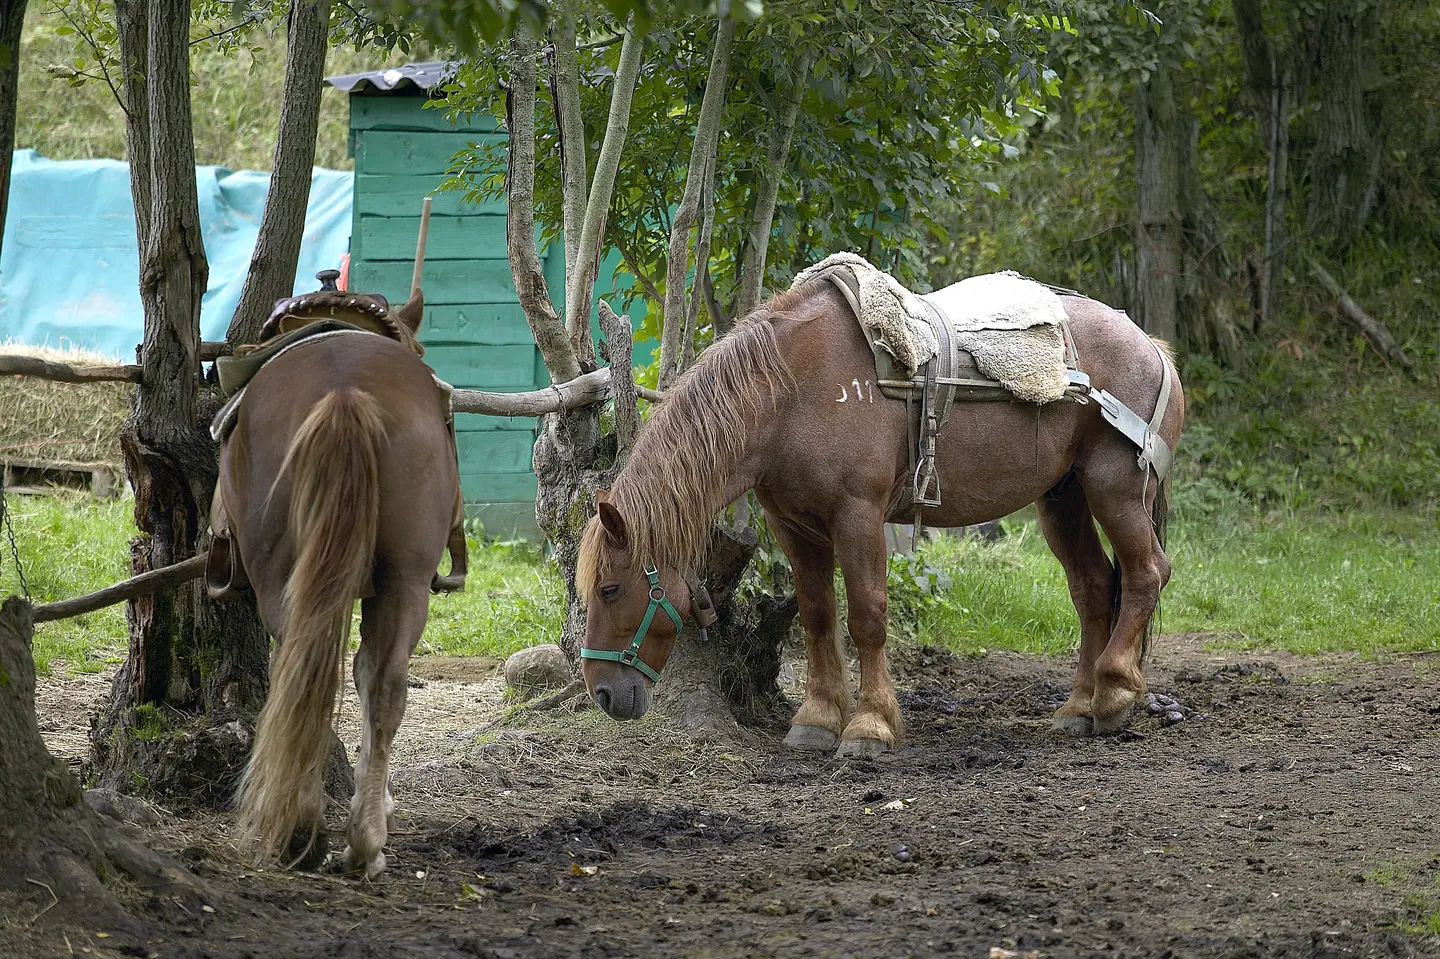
1292,814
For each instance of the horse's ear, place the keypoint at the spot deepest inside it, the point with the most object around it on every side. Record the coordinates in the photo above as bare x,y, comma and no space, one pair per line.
614,524
412,312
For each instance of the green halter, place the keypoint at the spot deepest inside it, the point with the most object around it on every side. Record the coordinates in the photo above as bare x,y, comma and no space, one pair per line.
631,656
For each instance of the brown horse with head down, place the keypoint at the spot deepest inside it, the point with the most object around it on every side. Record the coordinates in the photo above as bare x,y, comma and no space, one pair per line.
758,411
339,481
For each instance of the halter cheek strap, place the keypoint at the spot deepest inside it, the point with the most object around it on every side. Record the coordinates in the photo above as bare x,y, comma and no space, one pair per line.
631,655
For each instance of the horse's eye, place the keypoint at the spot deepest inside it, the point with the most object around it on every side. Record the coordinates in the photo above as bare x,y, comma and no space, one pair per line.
609,592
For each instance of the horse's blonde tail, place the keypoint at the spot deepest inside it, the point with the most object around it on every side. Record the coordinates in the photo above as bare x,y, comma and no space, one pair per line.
333,462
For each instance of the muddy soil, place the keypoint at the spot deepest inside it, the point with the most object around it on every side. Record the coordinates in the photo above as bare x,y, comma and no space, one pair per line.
1292,813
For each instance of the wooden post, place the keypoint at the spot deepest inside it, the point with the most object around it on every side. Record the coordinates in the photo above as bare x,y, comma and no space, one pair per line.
420,247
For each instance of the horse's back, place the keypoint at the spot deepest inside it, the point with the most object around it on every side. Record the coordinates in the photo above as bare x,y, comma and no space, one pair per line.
417,475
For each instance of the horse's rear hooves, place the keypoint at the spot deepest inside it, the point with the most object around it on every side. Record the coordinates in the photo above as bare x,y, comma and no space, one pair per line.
861,749
811,739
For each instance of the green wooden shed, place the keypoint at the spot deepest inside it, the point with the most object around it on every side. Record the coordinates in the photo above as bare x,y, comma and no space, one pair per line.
474,332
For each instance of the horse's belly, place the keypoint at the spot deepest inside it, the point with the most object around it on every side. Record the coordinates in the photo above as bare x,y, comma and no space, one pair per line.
996,458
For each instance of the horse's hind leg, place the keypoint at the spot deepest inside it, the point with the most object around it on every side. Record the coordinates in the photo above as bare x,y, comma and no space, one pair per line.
390,626
1070,530
876,725
1144,570
821,717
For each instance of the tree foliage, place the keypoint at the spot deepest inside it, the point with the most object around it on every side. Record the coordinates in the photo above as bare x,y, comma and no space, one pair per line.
903,105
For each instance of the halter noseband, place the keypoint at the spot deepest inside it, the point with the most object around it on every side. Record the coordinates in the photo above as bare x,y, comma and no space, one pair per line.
631,656
700,606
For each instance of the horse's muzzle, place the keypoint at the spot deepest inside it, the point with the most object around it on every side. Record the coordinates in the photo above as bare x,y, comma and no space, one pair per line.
623,698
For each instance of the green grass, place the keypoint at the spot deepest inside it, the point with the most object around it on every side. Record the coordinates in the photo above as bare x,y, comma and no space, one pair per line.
513,598
1363,582
69,545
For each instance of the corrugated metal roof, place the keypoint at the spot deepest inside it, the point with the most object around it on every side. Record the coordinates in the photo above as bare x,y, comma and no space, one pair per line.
409,78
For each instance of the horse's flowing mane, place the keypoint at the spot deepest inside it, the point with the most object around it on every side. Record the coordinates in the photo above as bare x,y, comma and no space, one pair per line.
671,487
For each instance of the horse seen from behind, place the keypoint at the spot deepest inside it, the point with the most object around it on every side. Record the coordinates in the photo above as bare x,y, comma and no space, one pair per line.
786,405
338,481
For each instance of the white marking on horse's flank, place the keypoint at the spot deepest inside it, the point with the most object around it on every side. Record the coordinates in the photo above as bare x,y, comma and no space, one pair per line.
844,394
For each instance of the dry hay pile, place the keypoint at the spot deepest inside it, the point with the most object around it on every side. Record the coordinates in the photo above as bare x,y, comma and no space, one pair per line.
63,425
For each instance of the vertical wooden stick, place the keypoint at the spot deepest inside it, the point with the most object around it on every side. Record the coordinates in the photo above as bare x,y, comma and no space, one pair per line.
420,247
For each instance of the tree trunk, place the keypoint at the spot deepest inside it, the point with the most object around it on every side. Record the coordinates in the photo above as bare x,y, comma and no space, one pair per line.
580,283
1268,83
12,25
1343,144
177,724
277,249
702,153
1158,144
767,191
732,675
54,847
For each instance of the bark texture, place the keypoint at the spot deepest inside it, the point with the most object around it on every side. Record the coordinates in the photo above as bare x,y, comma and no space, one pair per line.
1341,160
277,249
1268,82
1158,147
178,721
54,848
12,23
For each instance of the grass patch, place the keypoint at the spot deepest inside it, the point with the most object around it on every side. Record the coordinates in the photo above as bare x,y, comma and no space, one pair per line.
513,599
1360,582
71,544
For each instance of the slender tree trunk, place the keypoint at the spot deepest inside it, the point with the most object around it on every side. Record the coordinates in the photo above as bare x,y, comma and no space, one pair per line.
1158,138
767,191
580,284
1343,137
1276,197
277,249
572,140
194,667
12,24
1268,83
702,153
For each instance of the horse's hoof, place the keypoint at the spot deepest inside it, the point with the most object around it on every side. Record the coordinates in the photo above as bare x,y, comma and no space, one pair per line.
861,749
811,739
1075,725
1107,725
354,866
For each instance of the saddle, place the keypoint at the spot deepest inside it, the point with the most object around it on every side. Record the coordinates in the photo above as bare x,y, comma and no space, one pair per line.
296,322
952,375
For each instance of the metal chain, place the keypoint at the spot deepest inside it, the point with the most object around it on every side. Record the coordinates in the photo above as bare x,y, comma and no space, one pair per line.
10,535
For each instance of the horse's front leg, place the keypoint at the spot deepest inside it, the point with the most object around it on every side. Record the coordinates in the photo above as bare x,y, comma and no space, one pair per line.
391,624
821,717
876,725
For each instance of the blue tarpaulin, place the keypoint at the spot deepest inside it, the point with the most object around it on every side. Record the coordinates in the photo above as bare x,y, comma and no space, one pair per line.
69,269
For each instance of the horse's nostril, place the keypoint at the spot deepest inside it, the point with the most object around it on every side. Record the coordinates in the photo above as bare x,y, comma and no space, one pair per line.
602,697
